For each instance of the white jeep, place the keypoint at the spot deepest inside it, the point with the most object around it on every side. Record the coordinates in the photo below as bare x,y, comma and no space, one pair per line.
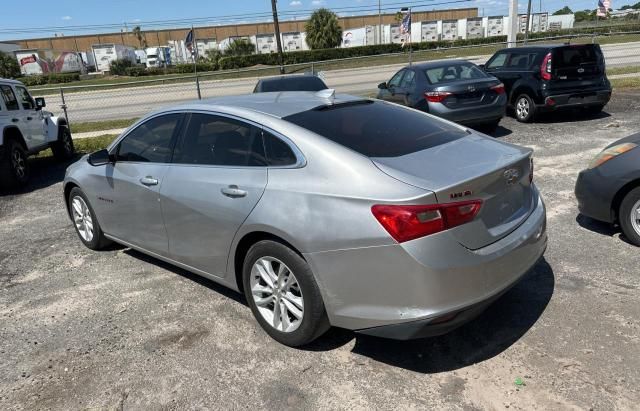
26,129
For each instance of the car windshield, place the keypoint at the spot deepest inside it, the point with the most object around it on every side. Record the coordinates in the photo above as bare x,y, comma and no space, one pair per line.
453,72
302,83
377,129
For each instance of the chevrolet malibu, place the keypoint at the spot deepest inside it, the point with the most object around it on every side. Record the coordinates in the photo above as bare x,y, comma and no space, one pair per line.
323,209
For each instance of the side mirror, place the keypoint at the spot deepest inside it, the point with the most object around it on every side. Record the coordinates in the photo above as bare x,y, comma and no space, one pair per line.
382,86
482,67
40,103
100,158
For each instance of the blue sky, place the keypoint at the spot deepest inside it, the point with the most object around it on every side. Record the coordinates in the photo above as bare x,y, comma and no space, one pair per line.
61,16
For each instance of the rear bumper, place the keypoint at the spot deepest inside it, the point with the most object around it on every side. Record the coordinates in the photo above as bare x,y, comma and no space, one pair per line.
426,286
471,115
577,99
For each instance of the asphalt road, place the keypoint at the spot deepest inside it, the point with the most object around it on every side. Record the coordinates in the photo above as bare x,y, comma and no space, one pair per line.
123,103
118,330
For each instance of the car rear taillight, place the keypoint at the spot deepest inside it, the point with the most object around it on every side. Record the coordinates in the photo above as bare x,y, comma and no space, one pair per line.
436,96
408,222
545,67
531,170
499,89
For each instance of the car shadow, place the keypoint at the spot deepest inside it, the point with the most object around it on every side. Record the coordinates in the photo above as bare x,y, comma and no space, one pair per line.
501,325
45,172
569,116
602,228
499,132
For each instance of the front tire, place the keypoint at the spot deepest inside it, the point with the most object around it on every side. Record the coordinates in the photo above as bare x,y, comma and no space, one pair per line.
63,149
85,221
525,108
629,216
14,166
283,294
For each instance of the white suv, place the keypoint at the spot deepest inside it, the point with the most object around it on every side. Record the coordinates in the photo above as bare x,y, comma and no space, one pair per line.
26,129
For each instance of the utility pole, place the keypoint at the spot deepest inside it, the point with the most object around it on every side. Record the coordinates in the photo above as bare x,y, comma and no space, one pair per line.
274,8
512,30
526,29
379,21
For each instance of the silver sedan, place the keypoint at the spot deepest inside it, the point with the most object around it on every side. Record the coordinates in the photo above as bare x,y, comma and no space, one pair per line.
323,209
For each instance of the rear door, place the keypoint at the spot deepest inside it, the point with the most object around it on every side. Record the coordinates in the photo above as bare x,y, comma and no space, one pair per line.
217,176
577,68
14,113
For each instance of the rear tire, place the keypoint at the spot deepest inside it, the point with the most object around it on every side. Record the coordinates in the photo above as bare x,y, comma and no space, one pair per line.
85,221
629,216
63,149
14,166
524,109
291,309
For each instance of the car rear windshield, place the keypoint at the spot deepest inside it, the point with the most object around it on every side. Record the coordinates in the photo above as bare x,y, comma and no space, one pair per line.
453,72
573,56
294,84
377,129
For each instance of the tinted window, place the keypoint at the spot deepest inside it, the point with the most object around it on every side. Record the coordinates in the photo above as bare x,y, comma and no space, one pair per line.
409,79
9,98
278,152
454,72
377,129
395,80
302,83
221,141
518,61
151,141
25,99
497,61
575,56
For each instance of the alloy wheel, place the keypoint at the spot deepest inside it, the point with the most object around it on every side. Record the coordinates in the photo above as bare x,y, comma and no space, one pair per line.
522,108
277,294
635,217
19,163
82,218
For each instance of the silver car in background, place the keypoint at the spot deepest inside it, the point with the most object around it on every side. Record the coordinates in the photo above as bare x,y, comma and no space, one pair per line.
323,210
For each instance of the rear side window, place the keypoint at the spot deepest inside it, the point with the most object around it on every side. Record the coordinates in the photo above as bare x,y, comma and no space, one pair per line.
9,98
221,141
519,61
409,79
278,152
151,141
303,83
575,56
376,128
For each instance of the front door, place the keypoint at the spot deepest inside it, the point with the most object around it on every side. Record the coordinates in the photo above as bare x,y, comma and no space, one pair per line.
217,176
127,199
394,91
31,117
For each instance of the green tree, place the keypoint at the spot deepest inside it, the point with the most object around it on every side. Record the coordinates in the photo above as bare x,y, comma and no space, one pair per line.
564,10
140,36
585,15
323,30
240,47
9,67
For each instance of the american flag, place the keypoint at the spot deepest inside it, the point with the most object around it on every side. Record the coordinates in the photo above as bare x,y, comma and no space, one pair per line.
188,42
405,28
603,8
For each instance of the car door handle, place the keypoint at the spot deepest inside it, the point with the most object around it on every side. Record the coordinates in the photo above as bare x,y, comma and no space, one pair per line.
15,120
149,181
233,191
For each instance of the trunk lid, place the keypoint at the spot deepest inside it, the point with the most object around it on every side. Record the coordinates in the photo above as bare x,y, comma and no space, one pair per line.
472,167
576,67
467,93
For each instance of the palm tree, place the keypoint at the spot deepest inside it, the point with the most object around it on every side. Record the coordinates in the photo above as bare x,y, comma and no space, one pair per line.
140,36
240,47
323,30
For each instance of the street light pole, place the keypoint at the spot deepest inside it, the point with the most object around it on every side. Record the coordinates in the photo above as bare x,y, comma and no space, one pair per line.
512,30
274,8
379,21
526,29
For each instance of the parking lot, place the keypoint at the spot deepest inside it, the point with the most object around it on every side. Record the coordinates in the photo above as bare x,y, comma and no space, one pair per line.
117,329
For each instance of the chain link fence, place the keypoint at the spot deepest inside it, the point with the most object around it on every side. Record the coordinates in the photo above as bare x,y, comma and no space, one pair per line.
359,75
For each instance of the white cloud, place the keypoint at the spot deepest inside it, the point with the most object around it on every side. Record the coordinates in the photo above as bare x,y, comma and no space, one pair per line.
136,21
295,3
66,17
317,2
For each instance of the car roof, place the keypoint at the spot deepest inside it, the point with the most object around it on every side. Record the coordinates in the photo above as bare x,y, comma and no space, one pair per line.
276,104
539,47
6,80
288,77
437,63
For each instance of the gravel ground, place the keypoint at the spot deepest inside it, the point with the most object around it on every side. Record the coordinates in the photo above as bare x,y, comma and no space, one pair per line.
116,329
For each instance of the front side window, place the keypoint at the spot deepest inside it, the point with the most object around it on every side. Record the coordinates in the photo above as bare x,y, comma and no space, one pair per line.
395,80
9,98
221,141
151,141
25,99
497,61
